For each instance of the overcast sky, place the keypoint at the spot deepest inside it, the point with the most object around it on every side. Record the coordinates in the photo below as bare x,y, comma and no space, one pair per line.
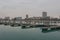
15,8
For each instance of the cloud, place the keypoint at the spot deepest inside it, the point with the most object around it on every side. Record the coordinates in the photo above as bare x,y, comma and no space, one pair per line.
17,3
21,6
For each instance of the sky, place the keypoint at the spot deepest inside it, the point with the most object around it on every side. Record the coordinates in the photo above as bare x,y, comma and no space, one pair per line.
19,8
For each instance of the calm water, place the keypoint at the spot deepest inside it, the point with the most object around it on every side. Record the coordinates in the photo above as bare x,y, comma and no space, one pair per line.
17,33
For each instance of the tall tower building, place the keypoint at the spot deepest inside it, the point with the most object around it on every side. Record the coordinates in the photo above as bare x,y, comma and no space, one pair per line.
27,16
44,14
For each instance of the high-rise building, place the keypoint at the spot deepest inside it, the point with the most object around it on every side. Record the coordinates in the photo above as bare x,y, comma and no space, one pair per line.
44,14
27,16
18,18
7,18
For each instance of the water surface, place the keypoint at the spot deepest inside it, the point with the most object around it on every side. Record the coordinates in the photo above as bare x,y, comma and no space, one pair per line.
17,33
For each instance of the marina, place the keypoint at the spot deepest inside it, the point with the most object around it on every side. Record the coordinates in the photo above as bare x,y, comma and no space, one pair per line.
29,19
45,21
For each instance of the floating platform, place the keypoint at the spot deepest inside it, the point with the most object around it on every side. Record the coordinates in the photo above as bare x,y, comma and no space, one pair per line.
50,28
15,24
